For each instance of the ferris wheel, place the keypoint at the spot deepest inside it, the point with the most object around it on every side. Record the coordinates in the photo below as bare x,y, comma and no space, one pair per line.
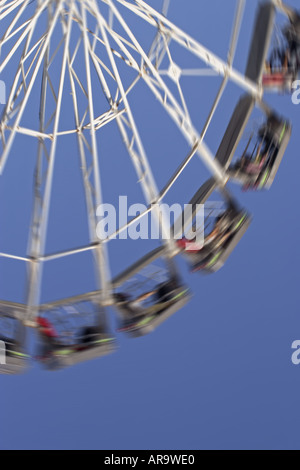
73,69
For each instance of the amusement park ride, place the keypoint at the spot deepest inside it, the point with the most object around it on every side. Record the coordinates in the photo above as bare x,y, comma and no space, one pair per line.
76,329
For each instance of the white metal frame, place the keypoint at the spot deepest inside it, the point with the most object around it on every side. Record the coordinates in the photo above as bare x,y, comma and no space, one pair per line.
35,56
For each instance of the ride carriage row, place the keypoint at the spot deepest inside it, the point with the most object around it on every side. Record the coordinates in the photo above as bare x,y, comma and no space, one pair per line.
142,309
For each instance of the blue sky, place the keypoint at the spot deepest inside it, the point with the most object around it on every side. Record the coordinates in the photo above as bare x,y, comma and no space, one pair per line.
217,375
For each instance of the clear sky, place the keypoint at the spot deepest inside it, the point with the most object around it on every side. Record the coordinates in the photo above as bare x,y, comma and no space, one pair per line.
217,375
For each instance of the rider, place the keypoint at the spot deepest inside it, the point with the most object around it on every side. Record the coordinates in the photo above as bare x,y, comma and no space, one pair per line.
287,57
220,230
253,166
161,294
